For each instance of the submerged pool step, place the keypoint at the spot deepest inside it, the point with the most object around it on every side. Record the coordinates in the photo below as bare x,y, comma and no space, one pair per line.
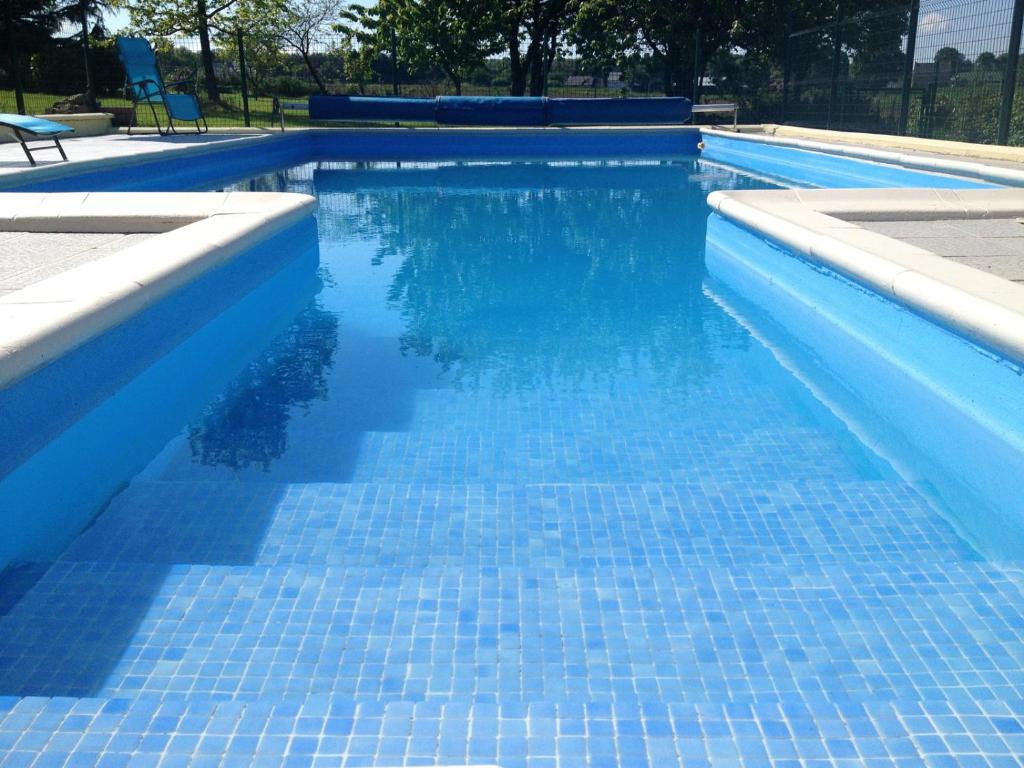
851,633
601,411
669,455
598,733
477,525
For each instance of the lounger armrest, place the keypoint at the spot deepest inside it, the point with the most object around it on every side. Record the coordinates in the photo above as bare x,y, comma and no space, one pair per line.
187,83
129,84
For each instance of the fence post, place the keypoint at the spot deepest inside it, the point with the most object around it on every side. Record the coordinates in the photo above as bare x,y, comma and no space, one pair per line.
1010,79
837,51
12,53
245,77
908,67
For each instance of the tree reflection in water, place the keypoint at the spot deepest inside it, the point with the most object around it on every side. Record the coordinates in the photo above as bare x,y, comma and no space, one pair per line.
516,276
247,426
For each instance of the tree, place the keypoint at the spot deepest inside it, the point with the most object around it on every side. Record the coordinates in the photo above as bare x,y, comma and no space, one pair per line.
539,24
370,31
456,36
83,14
986,62
202,18
673,32
263,55
304,23
26,26
950,60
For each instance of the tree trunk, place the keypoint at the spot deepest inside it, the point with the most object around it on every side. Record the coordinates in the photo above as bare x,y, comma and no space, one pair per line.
90,83
206,53
678,71
534,65
517,76
12,55
537,77
313,72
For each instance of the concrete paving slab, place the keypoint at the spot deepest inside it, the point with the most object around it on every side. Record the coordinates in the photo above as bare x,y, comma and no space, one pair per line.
29,257
995,246
1008,267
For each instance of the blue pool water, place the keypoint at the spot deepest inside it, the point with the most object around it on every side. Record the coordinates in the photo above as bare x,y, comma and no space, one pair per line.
515,473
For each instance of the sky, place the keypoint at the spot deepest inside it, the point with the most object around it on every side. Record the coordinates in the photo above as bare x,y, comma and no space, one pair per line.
115,20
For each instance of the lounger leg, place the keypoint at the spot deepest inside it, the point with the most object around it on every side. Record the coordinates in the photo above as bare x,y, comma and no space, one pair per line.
28,153
24,146
156,120
60,149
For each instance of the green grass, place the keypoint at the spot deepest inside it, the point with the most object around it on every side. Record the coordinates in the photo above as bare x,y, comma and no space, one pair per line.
228,113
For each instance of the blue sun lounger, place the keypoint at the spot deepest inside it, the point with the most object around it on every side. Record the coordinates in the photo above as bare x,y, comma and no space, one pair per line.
146,86
27,128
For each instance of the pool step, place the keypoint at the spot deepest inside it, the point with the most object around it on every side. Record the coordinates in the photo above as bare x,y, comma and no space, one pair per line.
599,733
669,455
478,525
854,632
445,409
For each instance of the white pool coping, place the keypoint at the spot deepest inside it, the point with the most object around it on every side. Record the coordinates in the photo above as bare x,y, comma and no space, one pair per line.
815,224
198,232
935,164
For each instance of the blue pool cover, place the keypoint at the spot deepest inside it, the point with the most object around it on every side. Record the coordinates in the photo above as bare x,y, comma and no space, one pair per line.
510,475
503,110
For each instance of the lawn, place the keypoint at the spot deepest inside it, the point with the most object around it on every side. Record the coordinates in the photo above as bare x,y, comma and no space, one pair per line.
228,113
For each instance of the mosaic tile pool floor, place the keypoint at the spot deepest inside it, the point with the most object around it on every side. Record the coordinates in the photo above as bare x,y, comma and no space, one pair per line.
541,552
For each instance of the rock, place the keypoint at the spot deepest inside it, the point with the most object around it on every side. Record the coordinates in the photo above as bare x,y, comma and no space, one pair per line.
75,104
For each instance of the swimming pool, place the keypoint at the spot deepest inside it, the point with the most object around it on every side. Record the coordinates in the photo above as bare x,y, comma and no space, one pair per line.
521,463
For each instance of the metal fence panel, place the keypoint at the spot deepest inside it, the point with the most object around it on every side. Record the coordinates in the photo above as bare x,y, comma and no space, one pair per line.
931,68
855,74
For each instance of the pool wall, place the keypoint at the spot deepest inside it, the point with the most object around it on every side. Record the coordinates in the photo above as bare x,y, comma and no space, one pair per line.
930,155
200,166
58,419
806,168
956,409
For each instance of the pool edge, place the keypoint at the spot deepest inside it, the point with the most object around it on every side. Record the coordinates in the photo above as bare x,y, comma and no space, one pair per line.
42,322
986,309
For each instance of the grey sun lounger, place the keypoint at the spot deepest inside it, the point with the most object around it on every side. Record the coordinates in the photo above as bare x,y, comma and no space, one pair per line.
27,128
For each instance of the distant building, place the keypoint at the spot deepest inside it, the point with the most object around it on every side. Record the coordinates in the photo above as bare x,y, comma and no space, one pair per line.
928,72
616,82
581,81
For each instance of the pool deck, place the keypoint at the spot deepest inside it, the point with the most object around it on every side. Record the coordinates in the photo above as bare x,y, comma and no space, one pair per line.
992,245
30,257
192,234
